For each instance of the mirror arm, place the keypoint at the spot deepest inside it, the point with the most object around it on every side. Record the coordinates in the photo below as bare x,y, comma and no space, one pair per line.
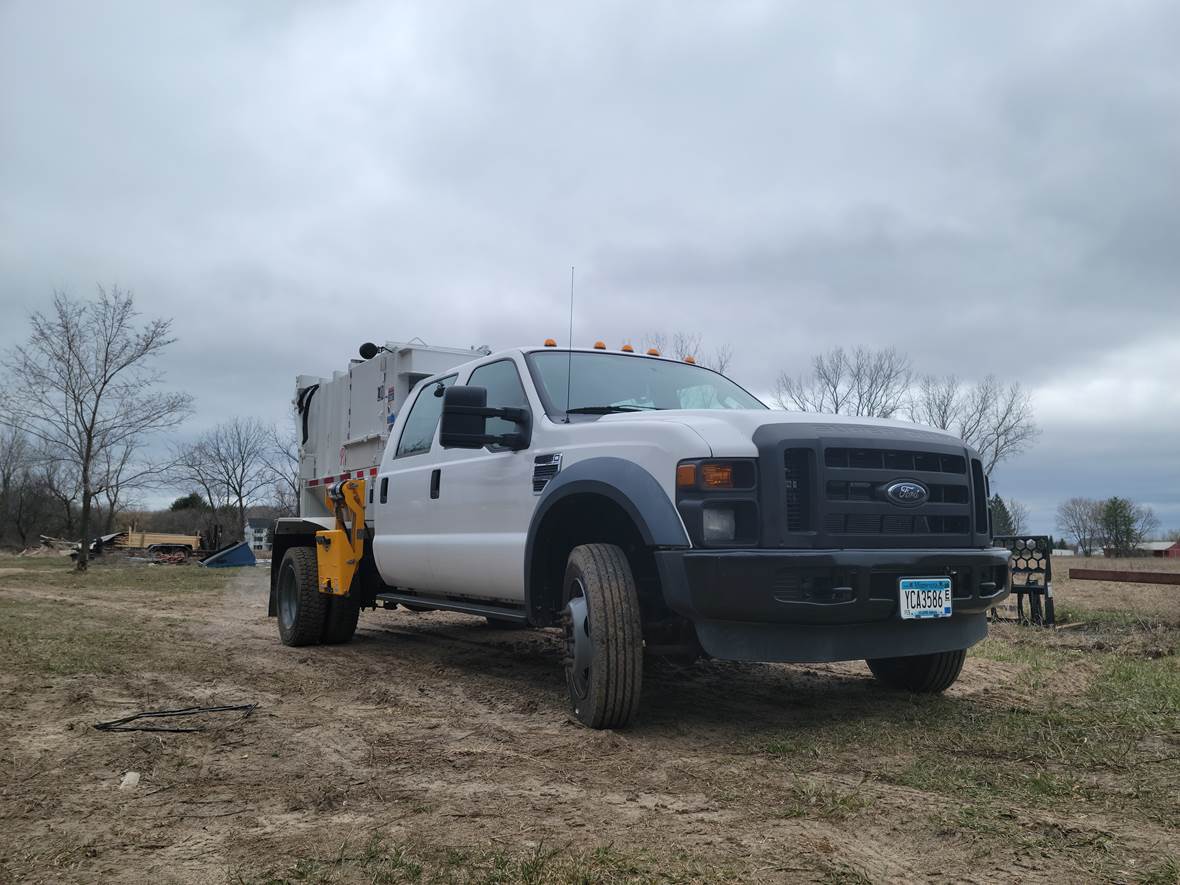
516,416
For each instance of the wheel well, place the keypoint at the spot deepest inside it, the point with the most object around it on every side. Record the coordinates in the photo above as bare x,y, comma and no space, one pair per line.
586,518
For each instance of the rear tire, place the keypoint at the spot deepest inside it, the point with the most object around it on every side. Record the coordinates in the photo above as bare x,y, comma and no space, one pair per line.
340,624
604,636
302,609
925,674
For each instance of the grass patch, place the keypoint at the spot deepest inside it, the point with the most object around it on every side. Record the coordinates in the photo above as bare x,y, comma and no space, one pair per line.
1115,620
58,638
1112,745
381,863
1166,873
807,800
113,572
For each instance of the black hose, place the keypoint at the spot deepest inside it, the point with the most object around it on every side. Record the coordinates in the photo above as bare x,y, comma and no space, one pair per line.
303,406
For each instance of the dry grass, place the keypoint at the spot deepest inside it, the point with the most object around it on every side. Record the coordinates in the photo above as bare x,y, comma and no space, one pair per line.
435,749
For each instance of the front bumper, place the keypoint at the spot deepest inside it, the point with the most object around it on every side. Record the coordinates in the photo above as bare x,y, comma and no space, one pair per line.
826,605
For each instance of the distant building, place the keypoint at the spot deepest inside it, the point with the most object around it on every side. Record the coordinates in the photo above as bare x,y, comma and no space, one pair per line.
1160,548
259,532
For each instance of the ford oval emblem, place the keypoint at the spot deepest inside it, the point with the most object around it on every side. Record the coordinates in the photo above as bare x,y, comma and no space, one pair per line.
907,493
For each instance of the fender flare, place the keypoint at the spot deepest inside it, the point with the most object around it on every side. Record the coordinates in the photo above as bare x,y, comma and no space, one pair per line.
623,482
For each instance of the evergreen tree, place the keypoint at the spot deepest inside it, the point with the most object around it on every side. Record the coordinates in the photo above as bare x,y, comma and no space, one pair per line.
1001,518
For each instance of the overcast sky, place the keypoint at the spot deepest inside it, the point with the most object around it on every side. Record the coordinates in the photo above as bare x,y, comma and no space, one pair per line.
992,188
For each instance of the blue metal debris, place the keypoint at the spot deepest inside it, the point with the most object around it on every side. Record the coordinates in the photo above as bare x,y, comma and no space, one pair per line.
235,556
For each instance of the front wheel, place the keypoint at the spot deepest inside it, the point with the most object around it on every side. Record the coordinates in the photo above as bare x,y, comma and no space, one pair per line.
603,635
925,674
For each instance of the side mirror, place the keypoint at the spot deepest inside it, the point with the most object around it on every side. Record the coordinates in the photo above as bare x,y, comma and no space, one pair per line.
465,416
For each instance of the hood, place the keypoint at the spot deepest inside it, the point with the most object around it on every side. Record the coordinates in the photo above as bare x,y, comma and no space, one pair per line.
730,432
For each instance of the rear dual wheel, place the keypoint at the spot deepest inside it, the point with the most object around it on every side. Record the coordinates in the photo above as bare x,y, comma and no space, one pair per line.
307,616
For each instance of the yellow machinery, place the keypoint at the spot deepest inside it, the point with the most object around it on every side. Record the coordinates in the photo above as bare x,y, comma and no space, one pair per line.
338,551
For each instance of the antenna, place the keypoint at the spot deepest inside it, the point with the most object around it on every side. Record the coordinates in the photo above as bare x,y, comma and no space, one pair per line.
569,368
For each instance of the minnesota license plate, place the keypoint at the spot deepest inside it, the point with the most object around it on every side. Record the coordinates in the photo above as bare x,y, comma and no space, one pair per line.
925,598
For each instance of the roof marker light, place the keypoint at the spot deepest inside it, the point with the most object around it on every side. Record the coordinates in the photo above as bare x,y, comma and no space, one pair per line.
651,351
691,360
600,345
627,348
549,342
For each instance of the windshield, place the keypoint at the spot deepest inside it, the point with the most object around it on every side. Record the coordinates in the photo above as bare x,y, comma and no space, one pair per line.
605,382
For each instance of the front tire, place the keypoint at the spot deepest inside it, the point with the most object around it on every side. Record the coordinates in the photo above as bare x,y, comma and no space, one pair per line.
302,609
604,636
924,674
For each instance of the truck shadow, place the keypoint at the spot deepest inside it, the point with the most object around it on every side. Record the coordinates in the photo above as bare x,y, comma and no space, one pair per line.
522,670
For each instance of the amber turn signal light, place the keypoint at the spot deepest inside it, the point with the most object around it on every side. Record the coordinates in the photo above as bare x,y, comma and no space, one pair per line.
686,476
717,476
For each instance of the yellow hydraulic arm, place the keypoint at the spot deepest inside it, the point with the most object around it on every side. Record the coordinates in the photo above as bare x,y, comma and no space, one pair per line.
338,551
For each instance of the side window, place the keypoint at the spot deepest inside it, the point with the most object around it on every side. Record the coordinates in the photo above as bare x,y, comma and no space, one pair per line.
504,391
422,421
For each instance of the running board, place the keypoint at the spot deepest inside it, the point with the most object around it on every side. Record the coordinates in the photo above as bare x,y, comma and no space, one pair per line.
503,613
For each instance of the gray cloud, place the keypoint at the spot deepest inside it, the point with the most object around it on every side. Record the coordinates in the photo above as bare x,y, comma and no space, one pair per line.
991,190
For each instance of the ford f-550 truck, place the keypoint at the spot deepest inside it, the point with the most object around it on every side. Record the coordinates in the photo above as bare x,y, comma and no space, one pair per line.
643,505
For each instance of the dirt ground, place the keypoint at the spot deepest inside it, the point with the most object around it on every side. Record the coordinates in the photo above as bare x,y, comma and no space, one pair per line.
435,748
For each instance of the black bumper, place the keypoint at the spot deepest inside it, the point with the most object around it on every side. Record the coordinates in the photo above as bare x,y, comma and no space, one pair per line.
826,605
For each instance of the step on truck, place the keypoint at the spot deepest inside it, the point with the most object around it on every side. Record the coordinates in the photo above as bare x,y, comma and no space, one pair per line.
643,505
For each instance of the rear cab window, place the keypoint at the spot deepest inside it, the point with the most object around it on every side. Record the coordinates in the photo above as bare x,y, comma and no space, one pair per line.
422,421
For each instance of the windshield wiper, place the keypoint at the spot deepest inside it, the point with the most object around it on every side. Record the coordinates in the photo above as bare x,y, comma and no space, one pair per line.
606,410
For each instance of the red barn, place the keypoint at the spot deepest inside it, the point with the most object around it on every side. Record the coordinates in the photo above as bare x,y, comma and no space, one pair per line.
1160,548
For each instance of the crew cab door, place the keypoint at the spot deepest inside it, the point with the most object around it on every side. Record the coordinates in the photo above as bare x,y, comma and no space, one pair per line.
407,522
487,497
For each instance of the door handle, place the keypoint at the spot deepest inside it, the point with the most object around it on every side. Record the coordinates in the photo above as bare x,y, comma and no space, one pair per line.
435,479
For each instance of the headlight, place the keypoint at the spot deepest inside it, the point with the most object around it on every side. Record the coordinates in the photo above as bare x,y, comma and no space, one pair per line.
718,501
719,524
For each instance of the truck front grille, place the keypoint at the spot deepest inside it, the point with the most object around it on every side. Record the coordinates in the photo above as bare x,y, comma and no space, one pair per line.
893,459
797,488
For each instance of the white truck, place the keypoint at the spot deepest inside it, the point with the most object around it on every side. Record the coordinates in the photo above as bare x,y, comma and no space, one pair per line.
641,504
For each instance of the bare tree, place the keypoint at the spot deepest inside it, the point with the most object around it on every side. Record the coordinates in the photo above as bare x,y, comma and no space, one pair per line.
658,340
865,383
1081,520
686,344
123,472
1018,515
16,460
23,500
62,484
83,386
281,460
721,358
229,465
994,419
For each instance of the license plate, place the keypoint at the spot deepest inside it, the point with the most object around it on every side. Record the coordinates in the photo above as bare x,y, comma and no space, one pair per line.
925,598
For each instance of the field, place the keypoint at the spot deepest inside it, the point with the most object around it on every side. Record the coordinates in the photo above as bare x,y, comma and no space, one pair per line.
437,749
